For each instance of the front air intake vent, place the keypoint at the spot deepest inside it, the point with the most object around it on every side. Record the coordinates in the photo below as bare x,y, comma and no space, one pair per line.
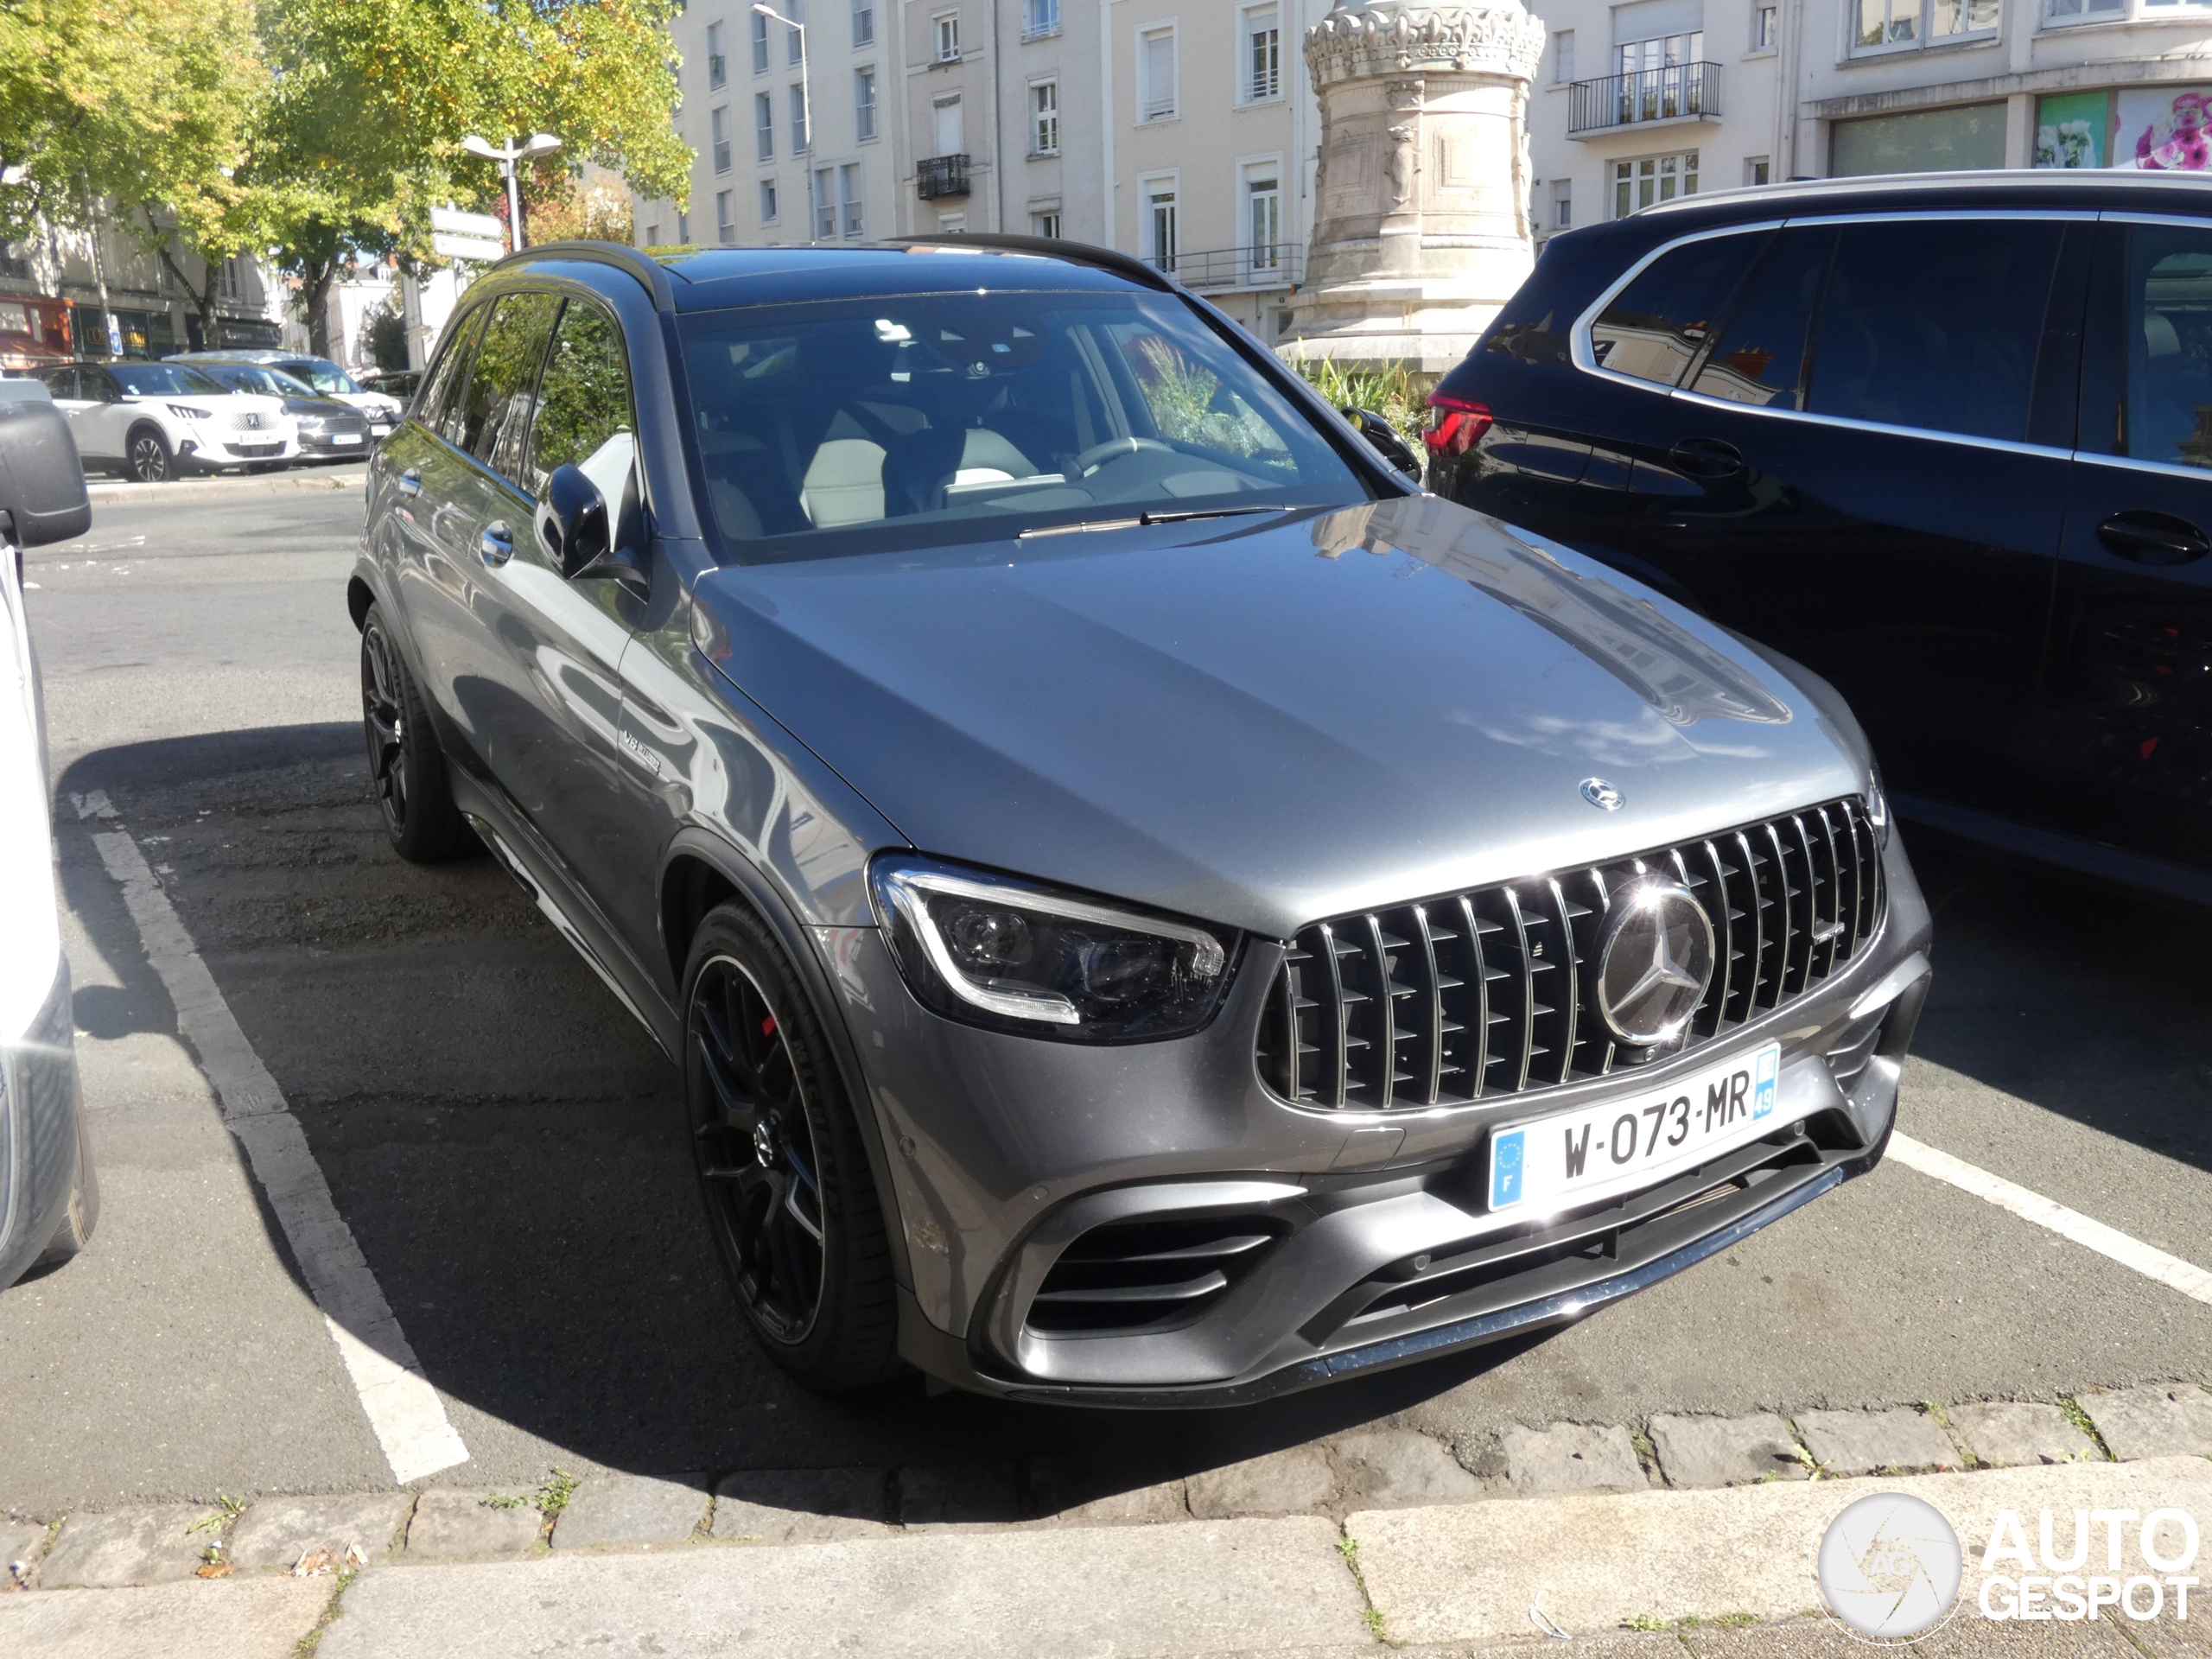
1490,992
1144,1275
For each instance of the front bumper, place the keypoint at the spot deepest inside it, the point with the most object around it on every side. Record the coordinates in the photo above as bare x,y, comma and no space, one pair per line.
38,1128
205,451
1374,1246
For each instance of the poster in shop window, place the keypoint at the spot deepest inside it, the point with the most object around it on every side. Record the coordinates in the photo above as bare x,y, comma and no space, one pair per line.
2073,130
2165,129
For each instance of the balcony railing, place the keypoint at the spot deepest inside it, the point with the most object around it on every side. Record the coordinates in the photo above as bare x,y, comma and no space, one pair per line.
1269,265
1673,92
941,175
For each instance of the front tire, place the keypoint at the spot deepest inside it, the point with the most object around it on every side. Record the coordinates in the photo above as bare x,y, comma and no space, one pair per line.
146,457
407,769
782,1167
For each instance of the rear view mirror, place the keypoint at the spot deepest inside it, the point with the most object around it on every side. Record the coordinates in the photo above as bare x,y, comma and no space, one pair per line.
1385,442
573,522
41,481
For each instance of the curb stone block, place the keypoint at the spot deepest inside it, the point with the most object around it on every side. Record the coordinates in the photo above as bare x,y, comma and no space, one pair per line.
2005,1433
126,1547
1396,1468
2165,1420
1866,1442
1292,1482
277,1531
793,1506
615,1509
960,1495
1697,1452
1077,1491
452,1522
1573,1458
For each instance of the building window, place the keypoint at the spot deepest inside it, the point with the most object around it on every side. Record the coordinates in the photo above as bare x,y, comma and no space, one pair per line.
794,41
1961,138
1161,229
848,197
2074,11
682,228
653,235
799,135
1156,75
1045,118
767,201
760,44
1562,204
1045,224
1758,170
718,126
1765,28
864,104
1039,17
1653,178
864,22
1262,221
717,69
1262,54
1896,25
725,229
1563,56
764,127
946,126
945,29
952,224
1664,52
825,203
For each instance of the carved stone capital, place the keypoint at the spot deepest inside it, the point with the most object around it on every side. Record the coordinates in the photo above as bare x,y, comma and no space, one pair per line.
1383,39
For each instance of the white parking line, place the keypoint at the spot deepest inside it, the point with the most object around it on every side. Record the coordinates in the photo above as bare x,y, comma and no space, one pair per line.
403,1408
2169,1270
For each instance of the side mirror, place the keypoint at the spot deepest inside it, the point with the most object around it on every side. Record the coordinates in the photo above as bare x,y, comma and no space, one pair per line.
573,522
1384,440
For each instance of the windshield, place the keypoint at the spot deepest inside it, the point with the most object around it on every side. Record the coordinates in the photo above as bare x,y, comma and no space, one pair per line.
163,379
323,377
852,426
246,378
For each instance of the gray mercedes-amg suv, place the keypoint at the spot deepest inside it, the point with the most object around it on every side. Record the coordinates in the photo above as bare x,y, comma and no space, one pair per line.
1151,907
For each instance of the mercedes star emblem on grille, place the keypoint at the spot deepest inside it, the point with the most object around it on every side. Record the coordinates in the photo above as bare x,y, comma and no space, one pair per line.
1655,956
1601,795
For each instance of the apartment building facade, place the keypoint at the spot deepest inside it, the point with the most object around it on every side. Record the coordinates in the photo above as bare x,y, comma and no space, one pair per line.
51,308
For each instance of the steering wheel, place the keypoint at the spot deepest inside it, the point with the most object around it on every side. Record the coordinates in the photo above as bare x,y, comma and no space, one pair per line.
1099,454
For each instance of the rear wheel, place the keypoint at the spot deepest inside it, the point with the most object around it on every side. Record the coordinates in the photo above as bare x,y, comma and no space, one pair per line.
407,770
146,456
782,1168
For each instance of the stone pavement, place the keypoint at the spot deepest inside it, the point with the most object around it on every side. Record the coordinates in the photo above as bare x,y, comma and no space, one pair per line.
1689,1535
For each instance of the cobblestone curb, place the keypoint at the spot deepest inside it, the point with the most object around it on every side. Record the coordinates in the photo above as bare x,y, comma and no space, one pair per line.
220,489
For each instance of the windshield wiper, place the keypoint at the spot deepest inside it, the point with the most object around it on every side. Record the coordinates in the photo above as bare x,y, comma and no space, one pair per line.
1143,519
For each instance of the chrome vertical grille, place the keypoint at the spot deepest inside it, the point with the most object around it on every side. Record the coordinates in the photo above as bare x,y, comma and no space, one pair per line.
1489,992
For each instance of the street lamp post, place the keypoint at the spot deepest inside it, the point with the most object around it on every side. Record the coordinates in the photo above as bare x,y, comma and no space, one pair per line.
805,108
543,143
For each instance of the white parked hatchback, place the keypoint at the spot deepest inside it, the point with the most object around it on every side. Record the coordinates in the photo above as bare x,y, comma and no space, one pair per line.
154,421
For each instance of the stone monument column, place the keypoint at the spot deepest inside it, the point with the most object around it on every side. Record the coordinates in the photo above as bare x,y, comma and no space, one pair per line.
1421,200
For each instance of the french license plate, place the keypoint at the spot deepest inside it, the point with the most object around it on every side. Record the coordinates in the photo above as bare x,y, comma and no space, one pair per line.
347,437
1548,1163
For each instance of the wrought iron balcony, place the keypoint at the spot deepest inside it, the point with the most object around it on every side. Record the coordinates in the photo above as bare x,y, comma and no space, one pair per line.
1675,91
941,175
1278,265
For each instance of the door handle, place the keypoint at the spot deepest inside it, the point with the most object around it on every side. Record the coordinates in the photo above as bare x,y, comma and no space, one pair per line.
409,482
496,542
2153,538
1706,458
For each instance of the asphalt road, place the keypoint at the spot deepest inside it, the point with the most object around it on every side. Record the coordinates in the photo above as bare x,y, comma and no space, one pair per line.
504,1143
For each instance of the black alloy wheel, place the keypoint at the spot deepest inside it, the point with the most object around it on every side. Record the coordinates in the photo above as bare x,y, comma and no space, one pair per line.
782,1169
406,768
146,457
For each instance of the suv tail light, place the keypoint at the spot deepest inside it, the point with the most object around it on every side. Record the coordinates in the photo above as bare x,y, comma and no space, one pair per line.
1454,424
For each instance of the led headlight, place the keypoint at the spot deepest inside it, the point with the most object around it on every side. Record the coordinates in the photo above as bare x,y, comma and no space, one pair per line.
994,951
187,412
1878,806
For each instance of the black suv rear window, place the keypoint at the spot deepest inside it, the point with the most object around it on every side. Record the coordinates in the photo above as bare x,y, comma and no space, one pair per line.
1655,325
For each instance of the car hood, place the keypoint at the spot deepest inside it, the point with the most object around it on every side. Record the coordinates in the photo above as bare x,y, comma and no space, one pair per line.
1265,722
326,407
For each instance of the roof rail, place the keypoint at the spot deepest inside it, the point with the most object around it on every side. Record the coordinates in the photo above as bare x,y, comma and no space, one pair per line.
651,272
1050,247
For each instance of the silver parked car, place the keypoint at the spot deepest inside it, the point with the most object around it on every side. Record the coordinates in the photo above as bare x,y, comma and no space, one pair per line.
1152,908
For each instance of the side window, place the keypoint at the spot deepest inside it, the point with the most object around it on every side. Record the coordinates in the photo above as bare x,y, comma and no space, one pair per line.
1934,325
495,410
2170,345
1760,356
61,382
583,405
440,397
1655,325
